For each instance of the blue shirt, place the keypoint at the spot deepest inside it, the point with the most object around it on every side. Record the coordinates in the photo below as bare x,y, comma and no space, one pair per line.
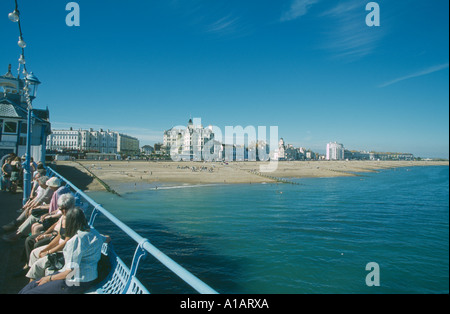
81,254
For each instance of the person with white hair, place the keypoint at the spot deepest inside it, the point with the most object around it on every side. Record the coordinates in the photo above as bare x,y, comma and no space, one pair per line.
49,239
37,258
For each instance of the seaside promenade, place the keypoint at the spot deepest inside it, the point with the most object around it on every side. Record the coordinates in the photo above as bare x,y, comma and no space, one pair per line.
10,253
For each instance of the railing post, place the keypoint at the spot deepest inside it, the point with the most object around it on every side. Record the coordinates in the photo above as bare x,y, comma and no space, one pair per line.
138,254
94,214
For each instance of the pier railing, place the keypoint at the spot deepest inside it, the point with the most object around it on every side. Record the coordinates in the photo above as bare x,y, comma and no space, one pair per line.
127,276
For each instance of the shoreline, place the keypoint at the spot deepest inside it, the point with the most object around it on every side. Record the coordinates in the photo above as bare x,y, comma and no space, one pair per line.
108,175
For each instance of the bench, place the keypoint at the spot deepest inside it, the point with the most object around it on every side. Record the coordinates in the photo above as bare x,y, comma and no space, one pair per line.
117,279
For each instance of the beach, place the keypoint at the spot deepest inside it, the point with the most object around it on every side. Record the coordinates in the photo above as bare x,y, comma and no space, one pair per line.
100,175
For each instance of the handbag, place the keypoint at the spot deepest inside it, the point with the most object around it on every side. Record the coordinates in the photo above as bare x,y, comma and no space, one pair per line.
47,223
37,213
55,261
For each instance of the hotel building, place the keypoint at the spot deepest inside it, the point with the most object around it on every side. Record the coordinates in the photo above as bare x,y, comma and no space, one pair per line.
335,151
104,142
188,143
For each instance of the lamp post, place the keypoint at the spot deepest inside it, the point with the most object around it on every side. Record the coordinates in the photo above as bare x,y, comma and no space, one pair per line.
31,85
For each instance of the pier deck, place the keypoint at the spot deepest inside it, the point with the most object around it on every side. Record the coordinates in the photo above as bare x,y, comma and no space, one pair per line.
10,253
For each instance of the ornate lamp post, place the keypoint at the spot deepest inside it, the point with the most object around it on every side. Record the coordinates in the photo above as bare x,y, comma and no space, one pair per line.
31,86
31,83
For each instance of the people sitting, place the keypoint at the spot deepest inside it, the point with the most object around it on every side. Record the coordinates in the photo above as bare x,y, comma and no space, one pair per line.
55,235
48,219
58,230
38,257
81,254
36,189
32,214
44,195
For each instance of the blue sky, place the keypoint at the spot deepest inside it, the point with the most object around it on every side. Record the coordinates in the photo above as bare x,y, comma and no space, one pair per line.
311,67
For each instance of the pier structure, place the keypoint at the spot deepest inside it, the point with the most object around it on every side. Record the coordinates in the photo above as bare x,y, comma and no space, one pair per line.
121,278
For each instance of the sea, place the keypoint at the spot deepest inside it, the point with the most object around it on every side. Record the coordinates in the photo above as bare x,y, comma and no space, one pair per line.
322,236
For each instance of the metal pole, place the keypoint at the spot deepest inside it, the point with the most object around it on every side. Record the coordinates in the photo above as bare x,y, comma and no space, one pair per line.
27,172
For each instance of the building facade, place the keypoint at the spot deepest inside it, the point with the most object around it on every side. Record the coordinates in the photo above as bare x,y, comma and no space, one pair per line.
90,141
147,150
189,143
13,120
127,144
335,151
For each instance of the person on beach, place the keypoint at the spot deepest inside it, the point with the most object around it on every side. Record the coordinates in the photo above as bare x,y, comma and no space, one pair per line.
81,253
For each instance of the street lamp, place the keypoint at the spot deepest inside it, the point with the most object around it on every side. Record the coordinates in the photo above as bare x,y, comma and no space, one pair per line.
14,16
31,86
32,82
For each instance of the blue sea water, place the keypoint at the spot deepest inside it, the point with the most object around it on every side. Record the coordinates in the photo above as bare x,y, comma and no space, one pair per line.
316,237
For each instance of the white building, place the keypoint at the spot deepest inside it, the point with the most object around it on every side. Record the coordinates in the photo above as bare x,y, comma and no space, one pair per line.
335,151
147,150
188,143
64,140
104,142
281,149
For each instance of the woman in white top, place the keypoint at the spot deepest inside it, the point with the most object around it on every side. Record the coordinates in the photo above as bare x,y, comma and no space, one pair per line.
81,256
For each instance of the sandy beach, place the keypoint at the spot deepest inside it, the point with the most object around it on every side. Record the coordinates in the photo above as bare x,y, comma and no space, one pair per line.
98,175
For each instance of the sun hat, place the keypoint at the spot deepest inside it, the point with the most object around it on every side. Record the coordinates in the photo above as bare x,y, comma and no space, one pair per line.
53,182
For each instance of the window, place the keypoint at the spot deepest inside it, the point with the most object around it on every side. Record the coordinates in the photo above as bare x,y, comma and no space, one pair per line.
10,127
23,128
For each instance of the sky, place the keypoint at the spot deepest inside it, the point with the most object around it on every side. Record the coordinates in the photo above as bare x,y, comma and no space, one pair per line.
314,68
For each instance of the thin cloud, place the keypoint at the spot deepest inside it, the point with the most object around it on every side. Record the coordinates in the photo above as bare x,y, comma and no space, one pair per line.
350,37
342,8
298,8
223,25
427,71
